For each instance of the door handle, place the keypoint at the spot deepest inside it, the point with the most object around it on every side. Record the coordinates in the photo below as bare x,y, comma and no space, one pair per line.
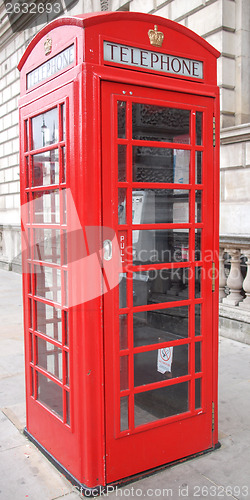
107,250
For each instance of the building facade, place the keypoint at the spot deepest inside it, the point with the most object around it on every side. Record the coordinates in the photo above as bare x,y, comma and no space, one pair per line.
223,23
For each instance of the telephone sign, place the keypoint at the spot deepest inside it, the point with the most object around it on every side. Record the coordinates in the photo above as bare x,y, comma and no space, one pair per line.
120,195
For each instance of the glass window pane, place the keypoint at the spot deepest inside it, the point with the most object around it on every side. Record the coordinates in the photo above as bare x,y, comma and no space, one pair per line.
161,403
198,206
160,206
67,408
49,321
63,121
159,246
150,367
123,373
197,319
63,165
121,119
160,325
122,205
26,125
49,358
198,244
160,165
199,117
46,207
123,331
122,290
198,281
67,368
48,283
160,123
160,285
122,162
50,394
64,205
47,245
198,167
66,333
45,129
197,393
197,357
124,413
27,170
45,168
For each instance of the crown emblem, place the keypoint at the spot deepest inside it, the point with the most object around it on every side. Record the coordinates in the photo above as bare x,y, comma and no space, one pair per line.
48,46
156,37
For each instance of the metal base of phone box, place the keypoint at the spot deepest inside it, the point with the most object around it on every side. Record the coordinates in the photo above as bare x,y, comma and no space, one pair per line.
100,490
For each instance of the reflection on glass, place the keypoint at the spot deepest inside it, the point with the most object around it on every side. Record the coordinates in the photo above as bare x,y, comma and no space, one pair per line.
152,164
31,347
48,283
46,207
27,170
198,206
65,248
65,277
198,281
197,319
122,162
199,116
197,357
67,366
64,205
123,373
47,245
63,165
160,285
161,403
66,333
124,414
50,394
198,167
160,206
197,393
147,370
49,321
45,168
26,135
159,246
45,129
160,325
49,358
122,206
67,408
121,119
198,244
123,331
159,123
122,290
63,121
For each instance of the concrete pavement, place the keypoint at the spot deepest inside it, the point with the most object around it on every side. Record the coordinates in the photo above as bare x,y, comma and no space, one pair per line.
26,474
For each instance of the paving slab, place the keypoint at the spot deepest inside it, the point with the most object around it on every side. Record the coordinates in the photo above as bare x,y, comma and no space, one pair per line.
26,473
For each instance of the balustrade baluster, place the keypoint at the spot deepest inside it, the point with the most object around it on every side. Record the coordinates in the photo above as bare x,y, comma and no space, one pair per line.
234,280
245,304
222,276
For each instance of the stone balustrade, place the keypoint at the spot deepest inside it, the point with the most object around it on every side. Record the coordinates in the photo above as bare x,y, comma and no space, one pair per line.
234,278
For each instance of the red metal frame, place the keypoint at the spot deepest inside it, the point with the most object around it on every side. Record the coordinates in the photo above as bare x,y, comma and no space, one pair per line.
80,447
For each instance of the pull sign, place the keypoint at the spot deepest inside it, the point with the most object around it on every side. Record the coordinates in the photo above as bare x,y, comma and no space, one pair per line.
107,250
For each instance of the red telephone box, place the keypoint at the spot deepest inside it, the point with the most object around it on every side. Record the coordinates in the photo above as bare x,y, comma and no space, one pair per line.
119,120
